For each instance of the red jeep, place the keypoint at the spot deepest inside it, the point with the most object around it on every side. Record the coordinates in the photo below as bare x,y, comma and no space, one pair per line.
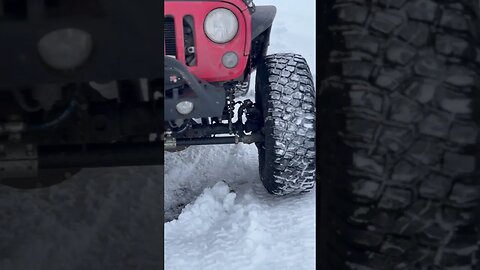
211,49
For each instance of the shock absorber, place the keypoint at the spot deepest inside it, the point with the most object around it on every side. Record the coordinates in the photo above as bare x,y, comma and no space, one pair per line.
231,109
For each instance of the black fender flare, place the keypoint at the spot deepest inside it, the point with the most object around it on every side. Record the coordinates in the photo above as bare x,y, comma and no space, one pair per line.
262,19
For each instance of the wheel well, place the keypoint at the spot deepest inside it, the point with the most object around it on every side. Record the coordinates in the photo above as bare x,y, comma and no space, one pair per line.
259,49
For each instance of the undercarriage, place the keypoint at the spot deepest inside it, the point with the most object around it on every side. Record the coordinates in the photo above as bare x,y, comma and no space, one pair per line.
224,130
233,121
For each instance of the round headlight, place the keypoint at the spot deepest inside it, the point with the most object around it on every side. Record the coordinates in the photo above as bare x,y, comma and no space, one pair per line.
65,49
221,25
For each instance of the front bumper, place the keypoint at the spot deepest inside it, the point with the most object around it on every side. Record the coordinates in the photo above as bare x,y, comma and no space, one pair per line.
181,85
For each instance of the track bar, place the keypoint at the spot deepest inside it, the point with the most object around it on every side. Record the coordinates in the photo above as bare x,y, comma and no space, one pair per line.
205,141
220,140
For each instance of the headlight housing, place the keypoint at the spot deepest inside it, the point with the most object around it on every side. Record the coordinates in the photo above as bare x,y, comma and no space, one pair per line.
221,25
65,49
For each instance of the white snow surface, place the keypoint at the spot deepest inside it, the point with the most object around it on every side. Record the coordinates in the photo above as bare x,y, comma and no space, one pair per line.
234,223
219,216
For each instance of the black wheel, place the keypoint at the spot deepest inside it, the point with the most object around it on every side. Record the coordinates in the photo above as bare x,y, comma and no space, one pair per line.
399,121
286,96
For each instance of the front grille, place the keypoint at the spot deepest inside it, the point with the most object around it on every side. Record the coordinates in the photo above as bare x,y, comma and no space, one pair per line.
170,41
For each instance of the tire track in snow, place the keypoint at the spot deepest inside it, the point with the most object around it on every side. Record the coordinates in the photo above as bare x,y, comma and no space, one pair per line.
248,229
188,172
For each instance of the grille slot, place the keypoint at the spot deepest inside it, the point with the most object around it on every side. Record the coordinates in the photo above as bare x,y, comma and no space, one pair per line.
189,40
169,32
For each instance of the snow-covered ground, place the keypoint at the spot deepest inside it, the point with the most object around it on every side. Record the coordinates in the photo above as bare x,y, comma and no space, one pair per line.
219,215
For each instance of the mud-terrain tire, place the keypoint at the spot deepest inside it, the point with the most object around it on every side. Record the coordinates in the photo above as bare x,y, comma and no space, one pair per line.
285,94
398,117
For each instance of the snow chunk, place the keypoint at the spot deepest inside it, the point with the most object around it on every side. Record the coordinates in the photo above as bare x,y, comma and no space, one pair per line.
198,217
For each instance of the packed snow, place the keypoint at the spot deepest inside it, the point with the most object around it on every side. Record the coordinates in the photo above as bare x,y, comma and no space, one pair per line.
218,214
233,223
